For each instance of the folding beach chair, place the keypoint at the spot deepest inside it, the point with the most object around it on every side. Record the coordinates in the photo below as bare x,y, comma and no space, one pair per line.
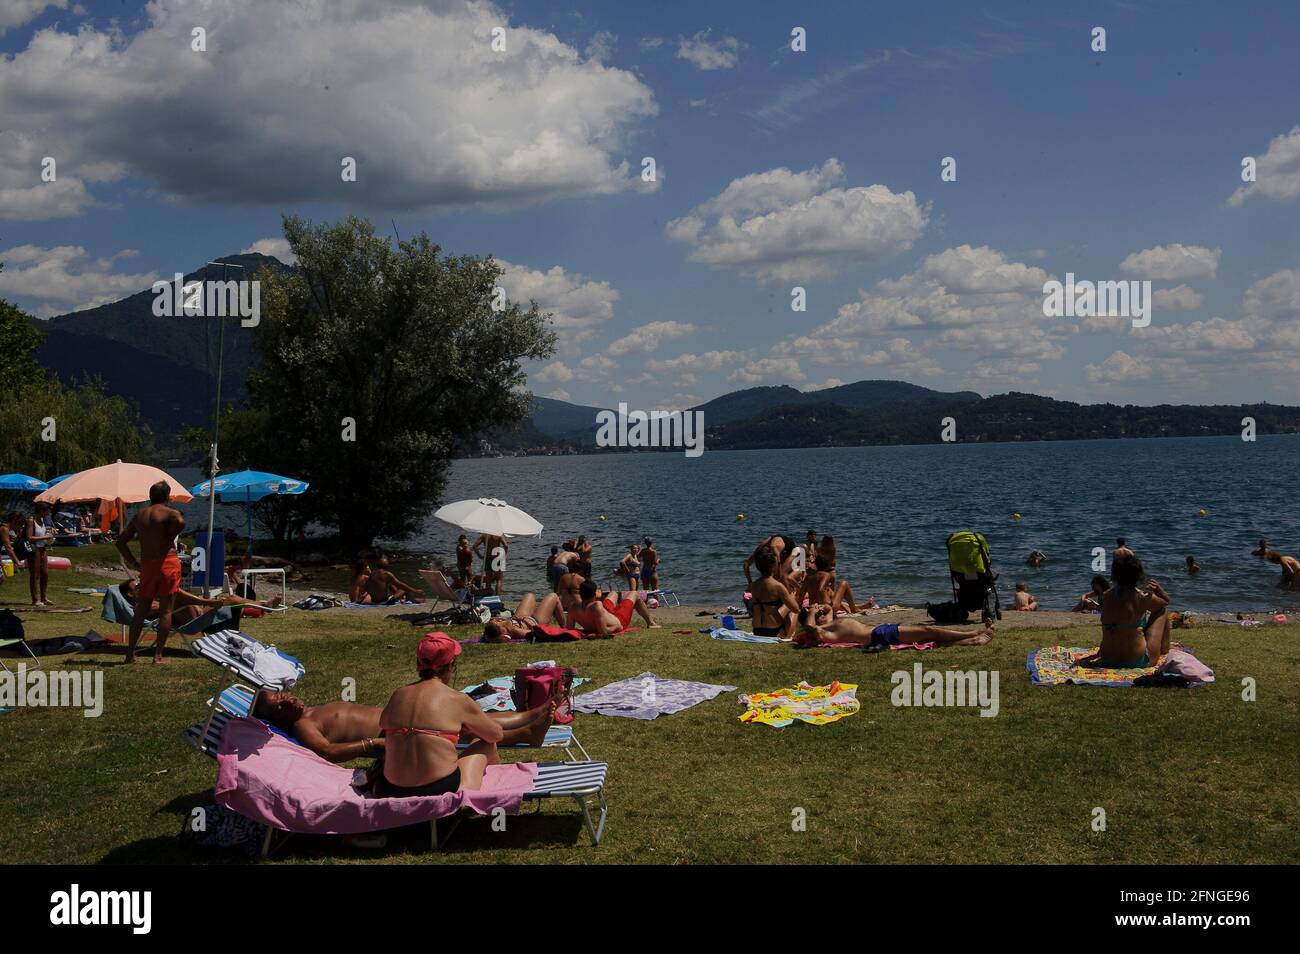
214,648
12,634
665,597
581,781
117,610
440,589
20,641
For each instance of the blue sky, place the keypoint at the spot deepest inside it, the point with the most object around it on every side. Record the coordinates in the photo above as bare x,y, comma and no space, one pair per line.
818,169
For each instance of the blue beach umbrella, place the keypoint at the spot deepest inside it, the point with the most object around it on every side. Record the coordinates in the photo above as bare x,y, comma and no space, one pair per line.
54,480
22,482
248,487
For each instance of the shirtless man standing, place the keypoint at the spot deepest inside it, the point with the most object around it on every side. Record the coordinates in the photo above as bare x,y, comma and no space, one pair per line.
822,627
649,566
1290,569
157,526
561,565
493,550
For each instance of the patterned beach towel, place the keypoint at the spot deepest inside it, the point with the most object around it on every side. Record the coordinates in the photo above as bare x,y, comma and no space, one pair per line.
646,696
1055,666
495,694
816,705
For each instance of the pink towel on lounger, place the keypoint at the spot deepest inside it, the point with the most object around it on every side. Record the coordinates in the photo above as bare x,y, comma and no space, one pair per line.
269,779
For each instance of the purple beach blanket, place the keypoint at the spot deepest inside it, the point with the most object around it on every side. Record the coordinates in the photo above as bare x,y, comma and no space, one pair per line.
646,696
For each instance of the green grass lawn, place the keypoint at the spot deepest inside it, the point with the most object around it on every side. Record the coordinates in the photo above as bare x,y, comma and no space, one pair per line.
1184,776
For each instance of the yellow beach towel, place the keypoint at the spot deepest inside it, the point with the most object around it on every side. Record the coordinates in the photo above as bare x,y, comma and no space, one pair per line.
816,705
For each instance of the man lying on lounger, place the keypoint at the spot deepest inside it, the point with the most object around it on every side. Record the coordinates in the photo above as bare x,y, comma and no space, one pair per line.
343,731
821,626
604,614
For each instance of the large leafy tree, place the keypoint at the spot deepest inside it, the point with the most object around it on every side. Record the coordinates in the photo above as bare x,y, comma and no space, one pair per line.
377,359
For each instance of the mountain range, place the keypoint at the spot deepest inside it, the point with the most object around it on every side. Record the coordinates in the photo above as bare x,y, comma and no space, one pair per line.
168,367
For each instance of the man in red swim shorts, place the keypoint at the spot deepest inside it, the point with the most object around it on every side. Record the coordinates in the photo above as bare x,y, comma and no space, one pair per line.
157,526
602,617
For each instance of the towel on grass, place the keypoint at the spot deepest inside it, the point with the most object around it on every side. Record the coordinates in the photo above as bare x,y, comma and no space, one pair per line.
739,635
494,695
291,788
646,696
816,705
1056,665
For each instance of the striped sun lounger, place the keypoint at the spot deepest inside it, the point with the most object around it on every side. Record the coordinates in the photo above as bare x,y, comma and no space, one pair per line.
237,700
581,781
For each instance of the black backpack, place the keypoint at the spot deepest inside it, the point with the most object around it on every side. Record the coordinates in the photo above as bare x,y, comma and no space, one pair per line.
11,627
946,614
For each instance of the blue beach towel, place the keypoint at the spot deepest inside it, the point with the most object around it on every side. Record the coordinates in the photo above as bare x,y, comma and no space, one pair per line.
739,635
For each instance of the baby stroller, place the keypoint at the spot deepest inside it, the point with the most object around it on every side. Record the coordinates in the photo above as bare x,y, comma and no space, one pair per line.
974,584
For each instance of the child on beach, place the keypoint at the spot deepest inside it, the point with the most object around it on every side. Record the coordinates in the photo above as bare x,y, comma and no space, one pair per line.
1024,599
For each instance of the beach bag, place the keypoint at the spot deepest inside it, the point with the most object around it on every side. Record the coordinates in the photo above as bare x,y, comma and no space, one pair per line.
946,614
534,685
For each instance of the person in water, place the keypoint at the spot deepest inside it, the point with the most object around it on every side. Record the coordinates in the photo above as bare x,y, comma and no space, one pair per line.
422,724
629,568
343,731
1261,550
1192,565
1290,569
649,566
773,607
821,626
1036,558
1024,599
1134,622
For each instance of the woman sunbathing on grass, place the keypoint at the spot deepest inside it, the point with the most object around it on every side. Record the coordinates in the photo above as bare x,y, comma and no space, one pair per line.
343,731
821,626
772,606
1134,624
529,615
189,607
422,724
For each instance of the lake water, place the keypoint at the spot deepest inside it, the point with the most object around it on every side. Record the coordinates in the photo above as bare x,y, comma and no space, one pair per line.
891,509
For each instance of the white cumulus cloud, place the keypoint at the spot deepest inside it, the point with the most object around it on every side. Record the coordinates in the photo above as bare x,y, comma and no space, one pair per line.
705,53
1173,263
434,118
786,226
1277,172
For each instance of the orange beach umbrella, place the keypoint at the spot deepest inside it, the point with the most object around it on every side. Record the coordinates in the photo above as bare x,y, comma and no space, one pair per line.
129,483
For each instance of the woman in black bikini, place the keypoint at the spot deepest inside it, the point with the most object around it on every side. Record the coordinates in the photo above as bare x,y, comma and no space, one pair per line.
774,609
422,723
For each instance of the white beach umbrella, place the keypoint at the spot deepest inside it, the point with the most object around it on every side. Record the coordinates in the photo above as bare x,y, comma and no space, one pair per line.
490,516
